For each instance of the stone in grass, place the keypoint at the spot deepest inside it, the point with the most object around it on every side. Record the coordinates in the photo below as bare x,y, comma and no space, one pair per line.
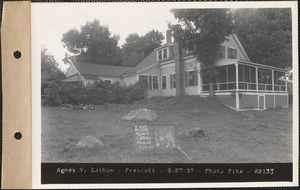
196,132
89,142
141,115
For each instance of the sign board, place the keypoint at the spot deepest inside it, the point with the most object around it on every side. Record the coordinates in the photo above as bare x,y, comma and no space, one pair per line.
155,138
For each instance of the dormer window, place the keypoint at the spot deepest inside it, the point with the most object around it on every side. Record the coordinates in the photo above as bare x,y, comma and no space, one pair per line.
162,54
232,54
165,53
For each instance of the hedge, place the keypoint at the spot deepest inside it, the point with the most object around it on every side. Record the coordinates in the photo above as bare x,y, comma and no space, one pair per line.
58,93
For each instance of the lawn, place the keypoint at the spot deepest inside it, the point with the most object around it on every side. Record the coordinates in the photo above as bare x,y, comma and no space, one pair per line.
231,136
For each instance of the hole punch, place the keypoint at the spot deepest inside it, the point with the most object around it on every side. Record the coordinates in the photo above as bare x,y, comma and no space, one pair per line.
18,135
17,54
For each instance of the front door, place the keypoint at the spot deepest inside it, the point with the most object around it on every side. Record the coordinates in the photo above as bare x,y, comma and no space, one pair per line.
261,102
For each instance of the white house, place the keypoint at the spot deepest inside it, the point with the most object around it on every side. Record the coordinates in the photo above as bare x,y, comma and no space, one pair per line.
241,85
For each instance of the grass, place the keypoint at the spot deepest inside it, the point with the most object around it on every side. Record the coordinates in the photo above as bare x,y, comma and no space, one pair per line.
231,137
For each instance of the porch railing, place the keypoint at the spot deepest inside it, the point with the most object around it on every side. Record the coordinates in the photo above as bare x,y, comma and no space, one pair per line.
244,86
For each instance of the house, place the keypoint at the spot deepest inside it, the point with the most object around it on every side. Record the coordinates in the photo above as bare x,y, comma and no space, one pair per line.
171,71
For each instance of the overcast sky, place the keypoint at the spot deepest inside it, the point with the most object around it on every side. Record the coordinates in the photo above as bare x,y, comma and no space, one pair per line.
51,20
122,19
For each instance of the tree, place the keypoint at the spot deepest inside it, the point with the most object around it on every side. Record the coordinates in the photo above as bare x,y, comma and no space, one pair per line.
49,68
136,47
94,43
266,35
203,32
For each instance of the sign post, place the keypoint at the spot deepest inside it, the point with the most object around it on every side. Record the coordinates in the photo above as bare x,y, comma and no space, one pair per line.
158,138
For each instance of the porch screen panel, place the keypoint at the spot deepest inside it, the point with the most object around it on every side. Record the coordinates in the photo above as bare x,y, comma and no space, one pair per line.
222,78
247,77
231,77
264,79
279,81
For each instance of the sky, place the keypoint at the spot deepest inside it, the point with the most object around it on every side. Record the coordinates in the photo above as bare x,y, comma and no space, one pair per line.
121,18
51,20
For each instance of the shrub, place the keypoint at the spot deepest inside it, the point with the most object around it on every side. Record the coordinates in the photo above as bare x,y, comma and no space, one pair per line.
97,93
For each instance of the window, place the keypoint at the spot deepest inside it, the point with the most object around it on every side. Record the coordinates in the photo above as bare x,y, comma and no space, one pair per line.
162,54
155,82
144,79
164,82
221,53
173,81
107,81
159,55
231,53
165,53
191,78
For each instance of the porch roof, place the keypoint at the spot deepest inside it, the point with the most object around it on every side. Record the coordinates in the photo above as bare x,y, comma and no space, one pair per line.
261,65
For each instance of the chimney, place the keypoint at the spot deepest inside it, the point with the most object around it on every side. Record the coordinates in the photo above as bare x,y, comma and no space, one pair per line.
179,66
168,36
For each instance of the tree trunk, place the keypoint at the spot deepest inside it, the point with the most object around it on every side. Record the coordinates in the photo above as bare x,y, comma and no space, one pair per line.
211,89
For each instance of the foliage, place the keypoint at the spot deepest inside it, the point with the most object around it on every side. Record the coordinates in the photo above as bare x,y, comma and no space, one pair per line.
64,92
266,35
203,33
49,68
136,47
97,93
93,43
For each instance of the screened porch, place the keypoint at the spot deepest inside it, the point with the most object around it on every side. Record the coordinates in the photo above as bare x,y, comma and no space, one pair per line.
249,77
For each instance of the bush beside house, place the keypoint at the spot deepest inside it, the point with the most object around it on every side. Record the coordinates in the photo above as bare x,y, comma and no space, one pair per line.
58,93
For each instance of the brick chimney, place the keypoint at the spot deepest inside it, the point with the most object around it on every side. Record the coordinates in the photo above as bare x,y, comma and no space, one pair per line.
168,36
179,66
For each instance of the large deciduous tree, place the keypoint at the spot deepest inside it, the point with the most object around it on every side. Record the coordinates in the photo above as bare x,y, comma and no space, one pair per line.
204,30
93,43
136,47
49,68
266,35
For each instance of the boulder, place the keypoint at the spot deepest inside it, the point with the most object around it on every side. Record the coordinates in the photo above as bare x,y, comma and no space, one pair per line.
196,132
89,142
141,115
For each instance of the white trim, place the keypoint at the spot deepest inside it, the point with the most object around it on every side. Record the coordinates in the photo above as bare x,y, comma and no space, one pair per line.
167,65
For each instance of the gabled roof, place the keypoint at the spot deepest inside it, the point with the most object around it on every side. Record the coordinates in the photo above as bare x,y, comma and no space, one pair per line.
147,62
88,69
238,44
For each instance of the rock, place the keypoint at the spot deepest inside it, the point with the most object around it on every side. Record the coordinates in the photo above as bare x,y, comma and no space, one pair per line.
196,132
140,115
89,142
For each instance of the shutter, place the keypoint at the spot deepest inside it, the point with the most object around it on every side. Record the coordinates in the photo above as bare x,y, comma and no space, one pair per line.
235,53
186,77
150,82
171,81
195,77
223,51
